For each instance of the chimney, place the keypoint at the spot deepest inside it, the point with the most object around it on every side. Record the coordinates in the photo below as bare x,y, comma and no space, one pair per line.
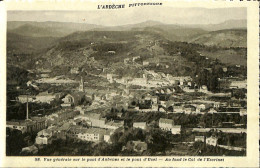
27,109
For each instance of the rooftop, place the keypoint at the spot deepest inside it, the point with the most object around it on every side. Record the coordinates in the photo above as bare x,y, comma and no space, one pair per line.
167,121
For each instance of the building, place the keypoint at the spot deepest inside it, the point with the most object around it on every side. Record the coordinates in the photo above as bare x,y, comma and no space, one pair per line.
199,139
176,129
145,63
27,125
91,134
111,78
74,70
93,119
25,98
212,141
111,52
139,81
61,132
44,137
73,99
46,97
239,84
21,126
113,125
141,125
243,112
178,109
168,125
60,116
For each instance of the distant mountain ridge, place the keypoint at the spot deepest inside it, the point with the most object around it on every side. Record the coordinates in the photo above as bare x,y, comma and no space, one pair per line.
43,29
59,29
201,34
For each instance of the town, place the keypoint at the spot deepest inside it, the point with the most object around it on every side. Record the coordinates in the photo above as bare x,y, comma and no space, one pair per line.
159,98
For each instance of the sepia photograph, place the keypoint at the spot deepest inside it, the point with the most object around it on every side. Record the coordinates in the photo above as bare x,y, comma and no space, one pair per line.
161,81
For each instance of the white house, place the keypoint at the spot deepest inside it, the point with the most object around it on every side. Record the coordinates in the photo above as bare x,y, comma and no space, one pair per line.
44,137
141,125
212,141
168,125
176,129
199,138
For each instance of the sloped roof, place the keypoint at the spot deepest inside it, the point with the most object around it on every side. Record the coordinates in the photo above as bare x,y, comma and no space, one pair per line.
139,124
167,121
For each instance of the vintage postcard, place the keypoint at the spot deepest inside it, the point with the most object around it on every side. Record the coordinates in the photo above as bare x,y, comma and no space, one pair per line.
129,84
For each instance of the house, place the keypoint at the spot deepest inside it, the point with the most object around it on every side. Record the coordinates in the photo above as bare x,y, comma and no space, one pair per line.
154,99
176,129
199,139
216,104
91,134
46,97
203,89
239,84
139,81
25,98
44,137
135,58
141,125
212,141
26,125
94,119
113,125
17,126
73,99
203,106
243,112
189,109
145,63
224,69
178,109
212,110
61,115
61,132
111,52
168,125
110,78
162,109
74,70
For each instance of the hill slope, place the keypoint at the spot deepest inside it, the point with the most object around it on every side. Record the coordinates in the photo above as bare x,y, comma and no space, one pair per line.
223,38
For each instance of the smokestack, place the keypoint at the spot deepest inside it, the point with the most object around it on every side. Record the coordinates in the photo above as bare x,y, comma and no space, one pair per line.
27,109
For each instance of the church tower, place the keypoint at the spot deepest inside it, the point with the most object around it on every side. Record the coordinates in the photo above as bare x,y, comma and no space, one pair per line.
81,85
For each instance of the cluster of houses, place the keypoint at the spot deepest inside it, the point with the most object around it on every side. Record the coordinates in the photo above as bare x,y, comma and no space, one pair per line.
156,102
168,125
30,125
42,97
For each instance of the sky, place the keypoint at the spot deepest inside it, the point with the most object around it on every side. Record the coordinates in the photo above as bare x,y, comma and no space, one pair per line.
166,15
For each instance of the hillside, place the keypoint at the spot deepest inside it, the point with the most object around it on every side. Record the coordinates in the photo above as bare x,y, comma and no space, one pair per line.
24,50
97,50
223,38
28,44
77,49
